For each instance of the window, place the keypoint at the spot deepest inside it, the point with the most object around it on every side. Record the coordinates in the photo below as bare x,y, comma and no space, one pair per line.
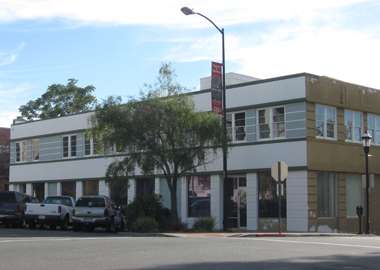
91,147
326,194
271,123
199,191
39,191
373,122
91,187
354,193
268,197
325,122
36,149
145,186
69,189
21,151
69,146
235,124
119,192
354,123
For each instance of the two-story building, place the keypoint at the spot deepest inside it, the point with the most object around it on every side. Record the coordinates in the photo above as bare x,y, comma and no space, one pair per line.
312,123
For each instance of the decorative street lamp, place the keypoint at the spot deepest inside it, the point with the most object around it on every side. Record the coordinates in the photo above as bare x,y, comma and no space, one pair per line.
188,11
366,139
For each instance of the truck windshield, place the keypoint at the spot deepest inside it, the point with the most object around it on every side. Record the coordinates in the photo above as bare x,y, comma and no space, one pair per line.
6,197
91,202
53,200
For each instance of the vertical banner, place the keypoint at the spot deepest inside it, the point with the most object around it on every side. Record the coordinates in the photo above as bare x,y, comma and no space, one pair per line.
216,88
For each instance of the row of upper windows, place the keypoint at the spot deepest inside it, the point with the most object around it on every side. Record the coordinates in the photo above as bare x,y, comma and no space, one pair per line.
270,124
326,124
69,148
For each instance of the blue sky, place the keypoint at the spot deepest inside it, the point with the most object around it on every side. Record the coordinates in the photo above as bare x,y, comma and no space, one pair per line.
117,46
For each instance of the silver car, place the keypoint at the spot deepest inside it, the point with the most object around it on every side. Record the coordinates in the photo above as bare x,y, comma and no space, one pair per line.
95,211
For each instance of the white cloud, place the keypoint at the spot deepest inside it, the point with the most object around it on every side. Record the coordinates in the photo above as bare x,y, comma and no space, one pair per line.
8,57
165,12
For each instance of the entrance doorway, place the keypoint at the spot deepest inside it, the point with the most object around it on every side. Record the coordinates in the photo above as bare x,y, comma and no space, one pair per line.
237,202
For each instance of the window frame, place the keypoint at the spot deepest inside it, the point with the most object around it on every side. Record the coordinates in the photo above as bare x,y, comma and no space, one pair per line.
325,122
353,126
92,144
70,146
22,154
332,182
35,149
232,130
271,123
375,130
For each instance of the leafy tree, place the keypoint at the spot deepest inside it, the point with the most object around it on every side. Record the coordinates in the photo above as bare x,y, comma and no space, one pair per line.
60,100
161,132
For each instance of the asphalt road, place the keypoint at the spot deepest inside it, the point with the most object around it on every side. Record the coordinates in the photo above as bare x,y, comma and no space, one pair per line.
44,249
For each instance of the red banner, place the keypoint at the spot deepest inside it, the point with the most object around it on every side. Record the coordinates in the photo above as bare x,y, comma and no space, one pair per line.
216,88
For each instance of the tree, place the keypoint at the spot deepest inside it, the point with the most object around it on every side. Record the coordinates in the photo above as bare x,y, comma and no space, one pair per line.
161,132
60,100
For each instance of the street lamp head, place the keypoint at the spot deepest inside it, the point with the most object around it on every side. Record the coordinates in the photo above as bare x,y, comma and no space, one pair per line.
187,11
366,139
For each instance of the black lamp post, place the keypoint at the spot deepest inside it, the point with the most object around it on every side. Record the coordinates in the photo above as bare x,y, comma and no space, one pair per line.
366,139
188,11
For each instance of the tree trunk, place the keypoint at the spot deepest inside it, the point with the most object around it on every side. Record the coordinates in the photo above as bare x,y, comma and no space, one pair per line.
173,200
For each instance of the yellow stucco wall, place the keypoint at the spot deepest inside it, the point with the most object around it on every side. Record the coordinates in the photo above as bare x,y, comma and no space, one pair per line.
337,155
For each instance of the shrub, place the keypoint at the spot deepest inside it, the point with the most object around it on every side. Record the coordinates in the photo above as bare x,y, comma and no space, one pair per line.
147,206
145,224
204,224
177,226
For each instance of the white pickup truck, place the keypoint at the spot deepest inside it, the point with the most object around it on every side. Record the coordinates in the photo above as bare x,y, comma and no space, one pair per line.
55,210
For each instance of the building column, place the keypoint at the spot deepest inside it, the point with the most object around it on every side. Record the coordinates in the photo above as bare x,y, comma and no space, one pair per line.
59,188
216,200
103,189
157,185
29,189
46,190
252,202
184,201
131,190
297,201
78,189
12,187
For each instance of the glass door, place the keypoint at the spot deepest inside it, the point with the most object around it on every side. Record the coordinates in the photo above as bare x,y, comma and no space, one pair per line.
237,202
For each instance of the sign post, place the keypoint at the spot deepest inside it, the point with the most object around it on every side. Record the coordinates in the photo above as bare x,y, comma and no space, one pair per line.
279,173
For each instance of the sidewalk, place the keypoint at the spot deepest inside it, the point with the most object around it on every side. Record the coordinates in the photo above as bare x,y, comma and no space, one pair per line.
235,234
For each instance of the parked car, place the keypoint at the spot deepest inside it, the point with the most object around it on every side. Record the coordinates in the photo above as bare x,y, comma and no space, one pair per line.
96,211
12,208
54,211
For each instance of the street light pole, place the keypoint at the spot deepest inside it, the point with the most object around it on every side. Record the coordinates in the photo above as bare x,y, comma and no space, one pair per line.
188,11
366,139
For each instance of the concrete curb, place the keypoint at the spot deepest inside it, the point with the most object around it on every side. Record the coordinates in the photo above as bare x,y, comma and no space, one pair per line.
226,234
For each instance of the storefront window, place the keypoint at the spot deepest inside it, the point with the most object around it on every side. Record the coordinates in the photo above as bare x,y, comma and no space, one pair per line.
119,192
145,186
91,188
69,189
39,191
268,197
199,193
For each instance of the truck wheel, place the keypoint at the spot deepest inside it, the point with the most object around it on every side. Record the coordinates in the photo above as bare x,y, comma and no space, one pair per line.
65,224
52,227
32,225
